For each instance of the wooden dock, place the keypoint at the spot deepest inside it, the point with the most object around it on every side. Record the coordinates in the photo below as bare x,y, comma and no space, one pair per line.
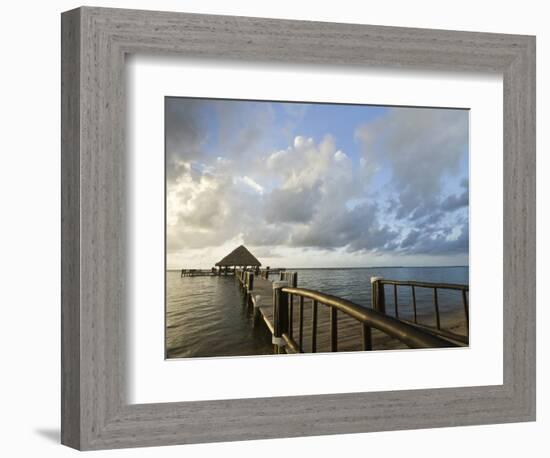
215,272
335,330
198,273
301,320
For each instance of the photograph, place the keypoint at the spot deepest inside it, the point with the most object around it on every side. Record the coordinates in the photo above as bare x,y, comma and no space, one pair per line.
308,227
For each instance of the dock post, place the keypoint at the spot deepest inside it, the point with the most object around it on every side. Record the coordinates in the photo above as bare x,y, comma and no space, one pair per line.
250,281
378,297
280,314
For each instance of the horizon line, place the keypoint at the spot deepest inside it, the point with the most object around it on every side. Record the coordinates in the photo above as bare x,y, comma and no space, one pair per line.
336,267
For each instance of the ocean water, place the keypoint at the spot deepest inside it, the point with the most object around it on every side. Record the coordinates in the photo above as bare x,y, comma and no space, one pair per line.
208,316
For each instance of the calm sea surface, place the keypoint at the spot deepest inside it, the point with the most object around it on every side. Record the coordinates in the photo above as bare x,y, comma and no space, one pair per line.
207,316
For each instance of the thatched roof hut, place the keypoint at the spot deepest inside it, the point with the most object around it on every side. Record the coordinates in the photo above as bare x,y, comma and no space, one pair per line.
240,256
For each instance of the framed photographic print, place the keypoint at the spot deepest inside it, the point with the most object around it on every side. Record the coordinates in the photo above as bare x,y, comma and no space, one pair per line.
350,195
250,206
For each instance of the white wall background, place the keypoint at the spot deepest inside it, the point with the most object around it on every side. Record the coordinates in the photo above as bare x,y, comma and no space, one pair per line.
29,229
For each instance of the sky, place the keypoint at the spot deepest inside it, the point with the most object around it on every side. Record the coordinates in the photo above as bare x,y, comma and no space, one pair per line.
315,185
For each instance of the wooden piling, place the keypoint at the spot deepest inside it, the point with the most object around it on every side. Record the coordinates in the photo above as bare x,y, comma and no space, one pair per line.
250,285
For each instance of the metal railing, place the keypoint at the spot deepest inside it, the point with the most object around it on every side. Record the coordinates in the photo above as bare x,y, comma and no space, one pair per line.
284,294
379,297
368,319
265,273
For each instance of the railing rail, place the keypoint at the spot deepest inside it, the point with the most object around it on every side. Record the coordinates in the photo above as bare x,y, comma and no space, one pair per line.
424,284
408,334
265,273
379,297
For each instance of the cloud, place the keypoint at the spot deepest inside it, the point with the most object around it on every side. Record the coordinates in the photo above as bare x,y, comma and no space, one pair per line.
250,183
194,126
456,201
440,244
292,205
242,131
420,147
300,195
185,133
411,239
401,192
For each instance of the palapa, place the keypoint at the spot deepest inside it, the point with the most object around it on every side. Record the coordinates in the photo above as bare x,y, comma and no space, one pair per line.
240,256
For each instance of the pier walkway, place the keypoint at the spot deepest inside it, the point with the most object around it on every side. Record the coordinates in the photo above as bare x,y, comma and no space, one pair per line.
302,320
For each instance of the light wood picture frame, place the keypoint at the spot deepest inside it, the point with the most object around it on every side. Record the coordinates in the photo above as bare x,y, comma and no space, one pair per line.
95,410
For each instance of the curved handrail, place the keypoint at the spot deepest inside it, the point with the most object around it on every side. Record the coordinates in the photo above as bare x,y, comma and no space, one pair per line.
406,333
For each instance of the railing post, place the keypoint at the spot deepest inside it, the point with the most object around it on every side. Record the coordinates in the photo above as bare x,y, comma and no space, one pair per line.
378,296
367,337
294,284
414,304
333,329
436,304
250,281
314,308
280,314
395,301
301,324
466,312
